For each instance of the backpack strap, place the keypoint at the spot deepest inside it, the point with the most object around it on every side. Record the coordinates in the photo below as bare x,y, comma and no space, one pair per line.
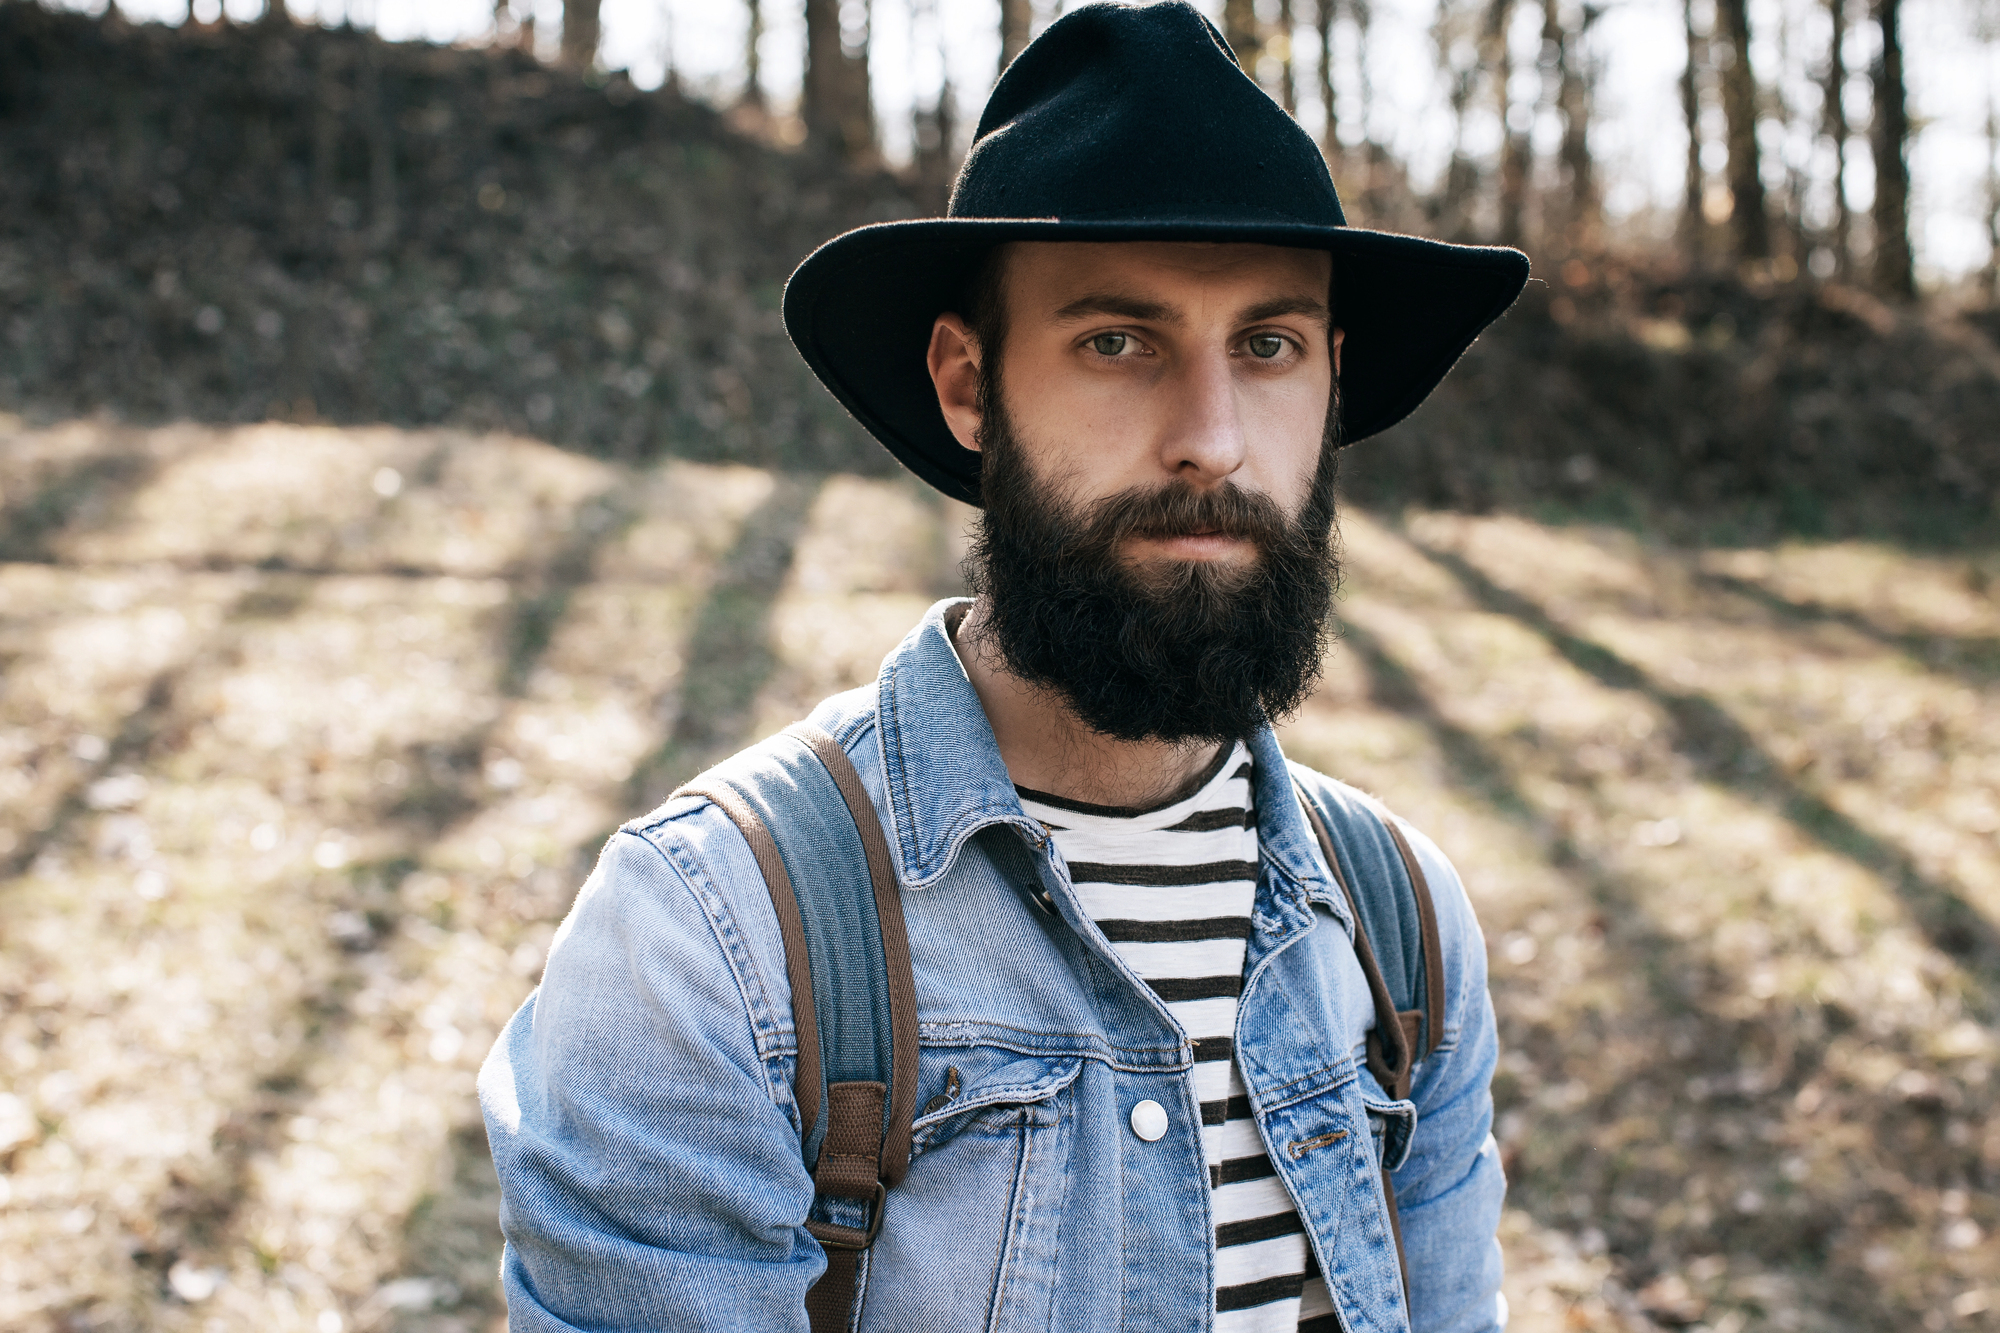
1394,1041
818,843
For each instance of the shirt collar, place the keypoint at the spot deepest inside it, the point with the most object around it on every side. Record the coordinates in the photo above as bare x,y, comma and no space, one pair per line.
945,780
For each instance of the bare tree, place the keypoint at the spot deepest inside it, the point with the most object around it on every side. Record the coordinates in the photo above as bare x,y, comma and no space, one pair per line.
836,104
1992,198
1243,33
1515,149
1575,83
753,60
1453,33
1694,183
580,33
1323,11
1833,124
1017,21
1749,222
1895,270
1288,92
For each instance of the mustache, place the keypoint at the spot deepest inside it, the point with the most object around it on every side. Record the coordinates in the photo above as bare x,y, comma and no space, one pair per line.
1177,509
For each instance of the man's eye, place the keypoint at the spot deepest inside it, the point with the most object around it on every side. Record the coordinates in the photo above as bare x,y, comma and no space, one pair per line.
1108,344
1266,345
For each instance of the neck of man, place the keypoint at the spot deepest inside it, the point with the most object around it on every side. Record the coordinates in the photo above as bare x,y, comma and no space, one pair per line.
1047,748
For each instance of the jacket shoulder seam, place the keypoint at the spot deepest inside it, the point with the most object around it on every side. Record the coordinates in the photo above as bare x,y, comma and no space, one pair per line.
772,1038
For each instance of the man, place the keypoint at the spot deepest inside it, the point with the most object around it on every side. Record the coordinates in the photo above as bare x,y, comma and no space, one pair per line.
1137,340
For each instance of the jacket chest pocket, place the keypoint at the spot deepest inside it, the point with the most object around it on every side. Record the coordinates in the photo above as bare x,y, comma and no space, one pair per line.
968,1238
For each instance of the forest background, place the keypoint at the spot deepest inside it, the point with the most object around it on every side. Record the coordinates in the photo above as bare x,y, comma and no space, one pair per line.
404,477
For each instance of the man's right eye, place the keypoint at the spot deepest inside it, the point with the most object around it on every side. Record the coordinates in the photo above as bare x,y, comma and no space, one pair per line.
1109,344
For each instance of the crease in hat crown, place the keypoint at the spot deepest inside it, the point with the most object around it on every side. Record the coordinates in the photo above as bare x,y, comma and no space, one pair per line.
1082,128
1126,122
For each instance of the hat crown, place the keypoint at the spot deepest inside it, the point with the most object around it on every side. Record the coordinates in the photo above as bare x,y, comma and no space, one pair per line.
1140,113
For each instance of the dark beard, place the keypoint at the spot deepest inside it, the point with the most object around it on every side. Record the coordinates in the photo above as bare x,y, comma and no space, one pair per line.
1177,651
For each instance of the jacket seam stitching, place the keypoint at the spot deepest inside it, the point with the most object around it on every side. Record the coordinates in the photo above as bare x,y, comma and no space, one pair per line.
767,1034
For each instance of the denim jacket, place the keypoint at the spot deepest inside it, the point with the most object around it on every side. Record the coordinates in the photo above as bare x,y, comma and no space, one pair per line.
640,1108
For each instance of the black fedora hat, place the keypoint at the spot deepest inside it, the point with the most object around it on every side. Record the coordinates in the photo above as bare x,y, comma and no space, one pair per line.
1123,123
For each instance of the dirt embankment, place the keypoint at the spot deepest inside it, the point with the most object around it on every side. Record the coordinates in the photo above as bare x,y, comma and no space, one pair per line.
244,222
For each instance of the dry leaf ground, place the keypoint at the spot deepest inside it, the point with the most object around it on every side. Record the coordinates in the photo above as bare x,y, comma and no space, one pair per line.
307,735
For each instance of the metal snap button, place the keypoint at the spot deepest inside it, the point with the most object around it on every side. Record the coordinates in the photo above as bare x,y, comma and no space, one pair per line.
1149,1121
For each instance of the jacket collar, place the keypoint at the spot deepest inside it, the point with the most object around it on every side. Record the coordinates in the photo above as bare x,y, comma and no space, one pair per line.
945,780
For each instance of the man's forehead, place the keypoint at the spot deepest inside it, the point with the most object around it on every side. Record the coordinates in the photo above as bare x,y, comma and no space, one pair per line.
1055,274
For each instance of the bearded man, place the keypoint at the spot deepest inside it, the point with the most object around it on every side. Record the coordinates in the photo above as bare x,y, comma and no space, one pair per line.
1144,1017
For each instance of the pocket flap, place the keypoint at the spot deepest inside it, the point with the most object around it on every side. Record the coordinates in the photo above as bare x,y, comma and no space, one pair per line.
1392,1124
1018,1081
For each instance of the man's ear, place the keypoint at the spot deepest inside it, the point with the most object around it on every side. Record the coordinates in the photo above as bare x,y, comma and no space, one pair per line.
1339,337
954,363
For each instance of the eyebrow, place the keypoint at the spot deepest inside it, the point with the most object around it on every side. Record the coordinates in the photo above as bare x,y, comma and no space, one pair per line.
1123,306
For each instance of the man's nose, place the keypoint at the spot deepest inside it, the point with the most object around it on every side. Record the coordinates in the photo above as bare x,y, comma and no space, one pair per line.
1204,440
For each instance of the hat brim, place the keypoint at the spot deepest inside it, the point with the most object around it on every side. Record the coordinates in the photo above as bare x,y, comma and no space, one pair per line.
861,307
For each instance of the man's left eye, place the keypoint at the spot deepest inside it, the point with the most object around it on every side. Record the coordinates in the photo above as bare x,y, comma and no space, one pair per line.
1266,345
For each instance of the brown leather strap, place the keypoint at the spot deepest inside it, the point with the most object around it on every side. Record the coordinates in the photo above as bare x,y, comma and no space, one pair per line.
1389,1047
791,928
894,1158
1396,1230
1427,921
830,1300
1389,1057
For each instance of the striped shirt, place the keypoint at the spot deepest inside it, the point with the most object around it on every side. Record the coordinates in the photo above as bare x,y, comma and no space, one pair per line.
1172,890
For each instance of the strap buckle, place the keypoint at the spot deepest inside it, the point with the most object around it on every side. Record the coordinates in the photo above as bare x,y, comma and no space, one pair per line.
835,1237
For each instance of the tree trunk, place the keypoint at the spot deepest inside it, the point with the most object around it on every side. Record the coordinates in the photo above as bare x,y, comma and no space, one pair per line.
1288,92
1749,222
1323,25
579,33
1992,200
753,61
275,11
1834,126
1240,30
1895,272
1694,181
1514,147
1017,18
1574,93
836,104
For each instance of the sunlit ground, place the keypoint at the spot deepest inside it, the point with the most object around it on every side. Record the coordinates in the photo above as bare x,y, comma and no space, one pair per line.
307,736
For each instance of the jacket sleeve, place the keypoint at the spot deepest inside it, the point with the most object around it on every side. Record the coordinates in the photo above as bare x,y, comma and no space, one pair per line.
1449,1191
637,1109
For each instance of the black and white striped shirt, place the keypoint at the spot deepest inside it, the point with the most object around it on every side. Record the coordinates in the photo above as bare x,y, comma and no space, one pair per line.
1172,890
